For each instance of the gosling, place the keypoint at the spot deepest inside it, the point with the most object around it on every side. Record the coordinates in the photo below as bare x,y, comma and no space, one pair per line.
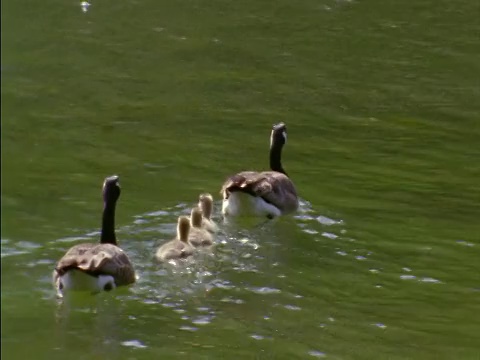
199,236
179,247
205,203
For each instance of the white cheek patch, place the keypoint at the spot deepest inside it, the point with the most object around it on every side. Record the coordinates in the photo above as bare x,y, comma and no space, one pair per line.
284,135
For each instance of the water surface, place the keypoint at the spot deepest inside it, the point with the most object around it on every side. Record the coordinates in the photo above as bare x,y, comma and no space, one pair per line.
381,103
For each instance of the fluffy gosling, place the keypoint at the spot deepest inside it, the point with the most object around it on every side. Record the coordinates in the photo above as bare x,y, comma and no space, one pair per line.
178,248
199,236
205,203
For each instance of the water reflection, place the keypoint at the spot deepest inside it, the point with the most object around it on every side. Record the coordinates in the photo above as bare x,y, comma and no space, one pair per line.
246,267
240,248
79,317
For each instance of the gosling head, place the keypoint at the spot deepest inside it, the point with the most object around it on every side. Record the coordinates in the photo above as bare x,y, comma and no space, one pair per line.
196,217
183,228
206,204
279,135
111,189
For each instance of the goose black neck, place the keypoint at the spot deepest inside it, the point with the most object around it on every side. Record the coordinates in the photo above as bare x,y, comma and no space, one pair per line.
276,158
108,224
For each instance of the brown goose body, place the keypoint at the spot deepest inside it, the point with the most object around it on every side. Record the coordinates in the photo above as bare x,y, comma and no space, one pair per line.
97,267
267,193
95,260
272,187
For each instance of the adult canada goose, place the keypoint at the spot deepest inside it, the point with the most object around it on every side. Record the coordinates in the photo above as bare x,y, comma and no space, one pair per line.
199,236
97,267
179,247
205,203
266,193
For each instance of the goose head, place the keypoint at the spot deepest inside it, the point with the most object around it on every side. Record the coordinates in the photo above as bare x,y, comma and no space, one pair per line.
278,138
111,189
111,193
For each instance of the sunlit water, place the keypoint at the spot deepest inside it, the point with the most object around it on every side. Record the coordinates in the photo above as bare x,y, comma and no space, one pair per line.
245,280
381,103
239,269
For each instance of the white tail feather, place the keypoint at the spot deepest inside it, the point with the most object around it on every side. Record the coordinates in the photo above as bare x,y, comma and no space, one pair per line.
76,280
242,204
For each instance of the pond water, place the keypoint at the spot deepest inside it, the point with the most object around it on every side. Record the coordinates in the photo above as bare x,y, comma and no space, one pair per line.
381,101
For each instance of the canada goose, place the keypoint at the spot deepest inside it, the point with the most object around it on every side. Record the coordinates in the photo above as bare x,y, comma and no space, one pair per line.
199,236
205,203
179,247
97,267
269,193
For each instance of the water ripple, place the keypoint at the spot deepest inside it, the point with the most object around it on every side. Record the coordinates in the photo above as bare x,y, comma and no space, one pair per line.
465,243
202,320
71,239
328,221
407,277
188,328
134,344
329,235
264,290
232,300
430,280
18,248
184,288
316,353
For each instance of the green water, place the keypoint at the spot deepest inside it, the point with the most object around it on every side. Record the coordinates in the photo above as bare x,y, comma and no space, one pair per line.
381,99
